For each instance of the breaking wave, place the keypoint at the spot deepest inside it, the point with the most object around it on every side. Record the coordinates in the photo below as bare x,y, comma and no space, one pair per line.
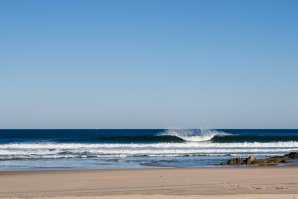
143,143
194,135
54,150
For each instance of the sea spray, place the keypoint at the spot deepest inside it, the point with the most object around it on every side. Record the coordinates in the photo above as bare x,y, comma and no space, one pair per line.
194,135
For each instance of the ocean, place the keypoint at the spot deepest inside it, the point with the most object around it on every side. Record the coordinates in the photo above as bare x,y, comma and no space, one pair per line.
137,148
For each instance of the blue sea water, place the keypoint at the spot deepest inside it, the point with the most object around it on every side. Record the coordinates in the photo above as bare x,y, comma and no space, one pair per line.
137,148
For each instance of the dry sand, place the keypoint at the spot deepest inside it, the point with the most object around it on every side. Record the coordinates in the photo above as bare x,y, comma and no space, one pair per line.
259,182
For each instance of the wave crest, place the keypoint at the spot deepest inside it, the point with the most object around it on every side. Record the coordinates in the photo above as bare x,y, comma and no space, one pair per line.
194,135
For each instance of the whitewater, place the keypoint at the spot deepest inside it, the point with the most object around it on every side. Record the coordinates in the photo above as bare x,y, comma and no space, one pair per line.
137,148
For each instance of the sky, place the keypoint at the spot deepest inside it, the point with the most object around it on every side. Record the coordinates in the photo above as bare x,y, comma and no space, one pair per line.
148,64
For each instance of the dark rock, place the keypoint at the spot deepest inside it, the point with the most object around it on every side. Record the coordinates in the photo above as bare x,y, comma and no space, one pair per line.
250,159
279,159
260,162
235,161
292,155
272,161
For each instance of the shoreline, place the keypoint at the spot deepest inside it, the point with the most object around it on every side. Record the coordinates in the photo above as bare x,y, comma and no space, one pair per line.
157,182
219,166
235,166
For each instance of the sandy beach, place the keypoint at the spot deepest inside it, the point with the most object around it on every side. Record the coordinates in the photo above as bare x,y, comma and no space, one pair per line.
259,182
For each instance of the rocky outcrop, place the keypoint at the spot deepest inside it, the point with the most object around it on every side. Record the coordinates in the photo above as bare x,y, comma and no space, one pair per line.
250,159
292,155
235,161
271,161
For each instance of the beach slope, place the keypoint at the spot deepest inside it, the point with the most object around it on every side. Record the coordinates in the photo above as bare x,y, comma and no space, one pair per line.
259,182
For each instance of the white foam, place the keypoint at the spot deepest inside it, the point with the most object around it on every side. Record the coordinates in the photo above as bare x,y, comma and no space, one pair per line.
52,150
194,135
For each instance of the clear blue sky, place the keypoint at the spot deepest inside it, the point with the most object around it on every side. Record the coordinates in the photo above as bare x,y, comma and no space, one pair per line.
148,64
